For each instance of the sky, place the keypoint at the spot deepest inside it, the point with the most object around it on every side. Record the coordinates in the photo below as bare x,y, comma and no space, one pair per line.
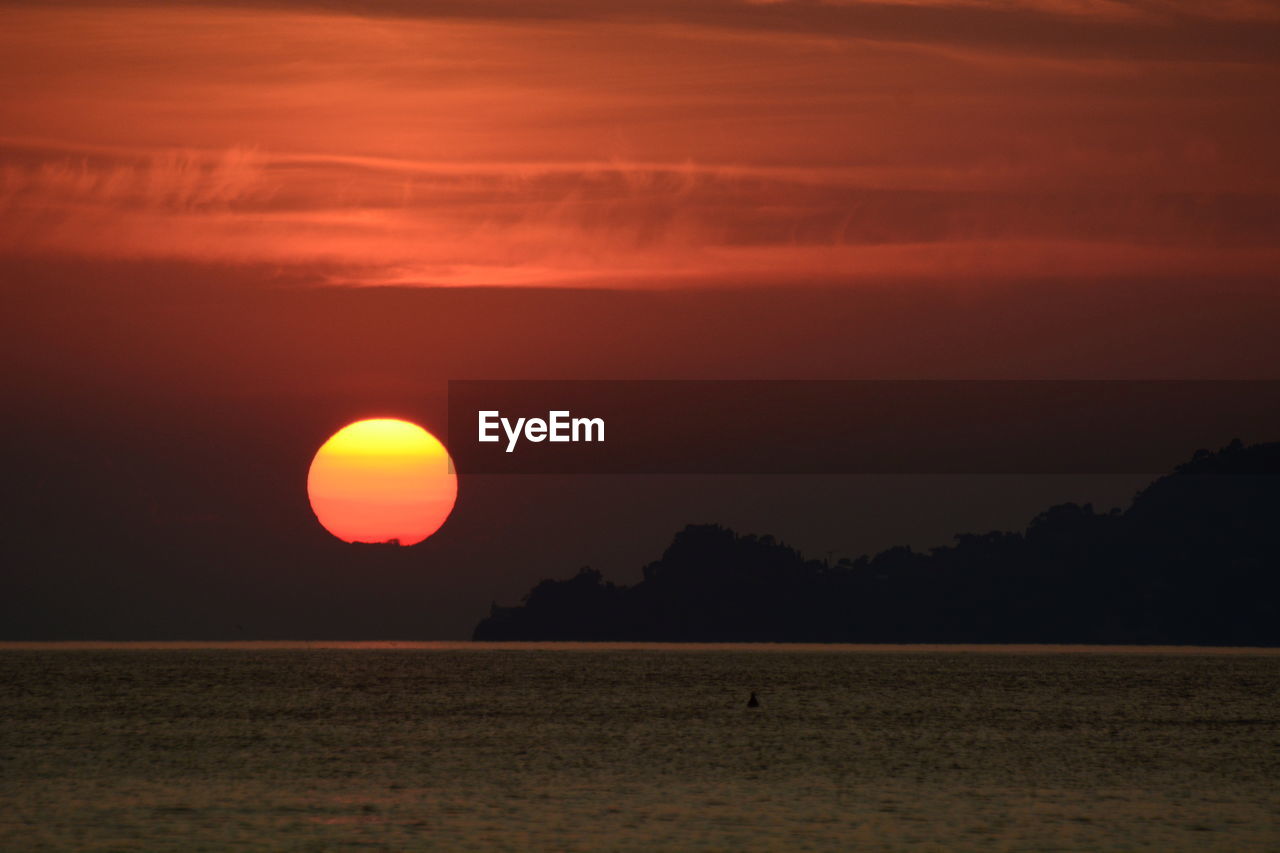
651,143
227,229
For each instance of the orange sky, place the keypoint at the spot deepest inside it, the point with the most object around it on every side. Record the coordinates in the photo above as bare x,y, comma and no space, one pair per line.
651,143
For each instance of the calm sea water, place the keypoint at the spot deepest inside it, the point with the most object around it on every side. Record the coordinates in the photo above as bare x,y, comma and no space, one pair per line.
562,747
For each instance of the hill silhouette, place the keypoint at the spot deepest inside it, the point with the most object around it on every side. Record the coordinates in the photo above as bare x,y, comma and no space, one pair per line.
1195,559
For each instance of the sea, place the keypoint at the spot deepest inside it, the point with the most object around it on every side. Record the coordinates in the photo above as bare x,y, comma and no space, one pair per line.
565,747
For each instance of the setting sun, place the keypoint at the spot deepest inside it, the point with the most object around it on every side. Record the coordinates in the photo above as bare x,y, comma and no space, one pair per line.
382,480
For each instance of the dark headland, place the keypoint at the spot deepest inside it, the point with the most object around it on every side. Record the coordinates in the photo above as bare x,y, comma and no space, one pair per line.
1195,559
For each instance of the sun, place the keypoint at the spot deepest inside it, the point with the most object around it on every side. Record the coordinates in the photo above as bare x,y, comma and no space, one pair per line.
382,480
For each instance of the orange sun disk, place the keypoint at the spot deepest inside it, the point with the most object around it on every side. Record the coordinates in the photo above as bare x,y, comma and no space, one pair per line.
382,480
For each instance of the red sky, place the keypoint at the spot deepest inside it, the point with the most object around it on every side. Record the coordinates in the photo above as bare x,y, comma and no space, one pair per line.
194,199
648,144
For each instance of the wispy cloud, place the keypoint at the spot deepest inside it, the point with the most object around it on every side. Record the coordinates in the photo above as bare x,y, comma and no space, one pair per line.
648,144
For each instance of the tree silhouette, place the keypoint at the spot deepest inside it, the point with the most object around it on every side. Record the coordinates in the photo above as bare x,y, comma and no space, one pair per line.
1194,559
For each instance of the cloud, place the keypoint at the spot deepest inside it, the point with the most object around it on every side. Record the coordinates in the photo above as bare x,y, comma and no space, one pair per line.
388,222
648,144
1234,30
